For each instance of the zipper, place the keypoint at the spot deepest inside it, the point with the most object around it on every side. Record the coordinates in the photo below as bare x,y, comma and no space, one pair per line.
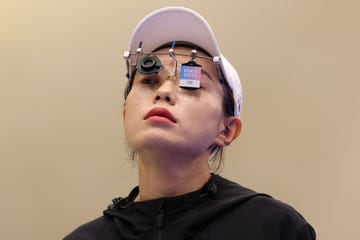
160,223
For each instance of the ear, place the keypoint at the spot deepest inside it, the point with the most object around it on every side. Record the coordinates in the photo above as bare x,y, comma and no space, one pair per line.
230,132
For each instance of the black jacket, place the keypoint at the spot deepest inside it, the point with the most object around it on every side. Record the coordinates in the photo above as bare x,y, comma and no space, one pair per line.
221,210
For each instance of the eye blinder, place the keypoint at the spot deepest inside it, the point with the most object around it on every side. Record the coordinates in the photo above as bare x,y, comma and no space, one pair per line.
149,65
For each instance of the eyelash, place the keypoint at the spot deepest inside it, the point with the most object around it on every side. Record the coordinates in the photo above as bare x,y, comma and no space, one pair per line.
149,81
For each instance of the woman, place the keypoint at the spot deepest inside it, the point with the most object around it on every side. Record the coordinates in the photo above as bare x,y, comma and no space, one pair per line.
182,106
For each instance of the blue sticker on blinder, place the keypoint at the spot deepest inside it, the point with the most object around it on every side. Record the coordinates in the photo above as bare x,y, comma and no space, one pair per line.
190,75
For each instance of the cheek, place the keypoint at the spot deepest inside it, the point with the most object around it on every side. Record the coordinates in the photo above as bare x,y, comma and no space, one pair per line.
130,124
135,107
206,115
134,99
212,106
129,115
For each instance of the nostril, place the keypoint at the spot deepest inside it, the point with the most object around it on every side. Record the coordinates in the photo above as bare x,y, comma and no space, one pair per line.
167,99
157,98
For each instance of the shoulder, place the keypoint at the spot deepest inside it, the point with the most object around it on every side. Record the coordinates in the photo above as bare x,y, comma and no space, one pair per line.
260,212
100,228
279,218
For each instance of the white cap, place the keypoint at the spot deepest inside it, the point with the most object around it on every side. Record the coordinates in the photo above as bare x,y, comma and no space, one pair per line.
182,24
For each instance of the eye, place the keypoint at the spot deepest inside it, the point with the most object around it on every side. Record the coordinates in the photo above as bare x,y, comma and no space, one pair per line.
149,81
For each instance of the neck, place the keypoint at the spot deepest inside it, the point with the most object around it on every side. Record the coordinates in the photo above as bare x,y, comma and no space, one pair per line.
170,176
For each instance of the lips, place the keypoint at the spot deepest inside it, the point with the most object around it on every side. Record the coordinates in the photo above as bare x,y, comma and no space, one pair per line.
161,113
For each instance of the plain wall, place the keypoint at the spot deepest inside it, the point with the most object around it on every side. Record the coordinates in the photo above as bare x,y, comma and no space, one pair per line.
62,147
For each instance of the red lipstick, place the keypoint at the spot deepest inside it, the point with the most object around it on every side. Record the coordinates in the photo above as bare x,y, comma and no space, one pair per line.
160,115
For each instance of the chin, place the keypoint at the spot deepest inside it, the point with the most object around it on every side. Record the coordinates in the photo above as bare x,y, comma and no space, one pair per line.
152,143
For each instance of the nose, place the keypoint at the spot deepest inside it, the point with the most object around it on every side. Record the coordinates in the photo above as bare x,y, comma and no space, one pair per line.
166,92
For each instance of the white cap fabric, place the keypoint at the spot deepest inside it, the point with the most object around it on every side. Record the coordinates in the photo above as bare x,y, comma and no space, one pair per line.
182,24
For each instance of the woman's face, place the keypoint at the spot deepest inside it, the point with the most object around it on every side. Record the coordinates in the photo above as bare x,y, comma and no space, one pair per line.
161,116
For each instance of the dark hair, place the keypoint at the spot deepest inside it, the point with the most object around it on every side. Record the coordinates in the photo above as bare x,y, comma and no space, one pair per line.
216,160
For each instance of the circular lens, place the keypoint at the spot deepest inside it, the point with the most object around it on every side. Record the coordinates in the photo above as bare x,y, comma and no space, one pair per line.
148,63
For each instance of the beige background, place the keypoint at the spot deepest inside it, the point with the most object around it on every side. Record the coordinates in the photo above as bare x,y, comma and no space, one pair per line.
61,138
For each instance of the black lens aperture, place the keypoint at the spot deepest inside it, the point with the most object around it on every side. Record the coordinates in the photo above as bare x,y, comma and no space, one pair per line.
148,65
